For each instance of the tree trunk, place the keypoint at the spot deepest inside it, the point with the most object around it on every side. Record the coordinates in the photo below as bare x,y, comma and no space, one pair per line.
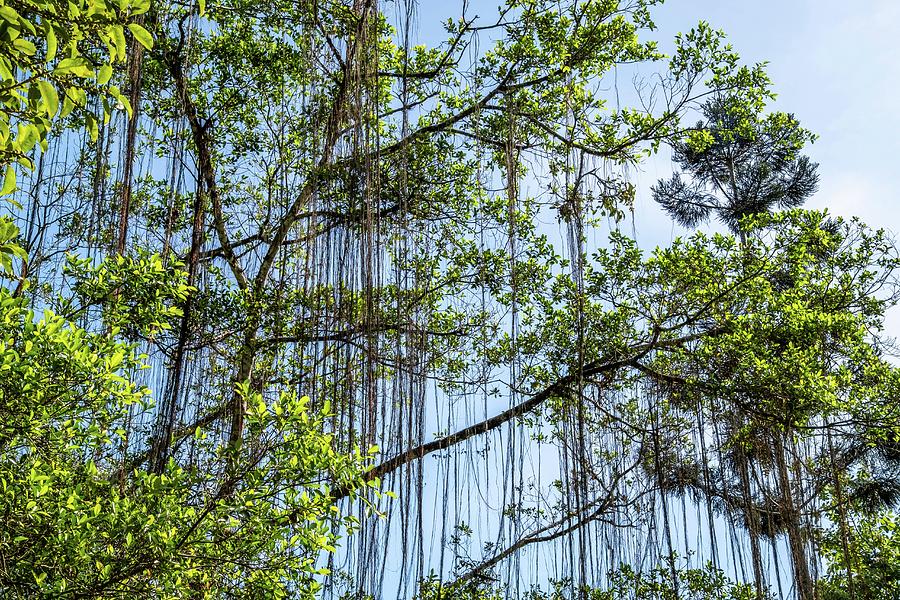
802,580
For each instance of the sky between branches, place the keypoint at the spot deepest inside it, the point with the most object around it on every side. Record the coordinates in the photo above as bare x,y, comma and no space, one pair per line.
833,63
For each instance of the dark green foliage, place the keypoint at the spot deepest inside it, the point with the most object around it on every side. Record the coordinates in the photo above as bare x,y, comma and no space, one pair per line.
737,164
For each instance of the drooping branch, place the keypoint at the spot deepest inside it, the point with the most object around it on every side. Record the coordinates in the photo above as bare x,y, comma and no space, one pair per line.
559,528
605,365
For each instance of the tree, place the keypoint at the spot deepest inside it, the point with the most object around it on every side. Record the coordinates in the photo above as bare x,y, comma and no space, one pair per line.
720,341
77,521
809,374
344,214
342,177
740,164
55,54
869,569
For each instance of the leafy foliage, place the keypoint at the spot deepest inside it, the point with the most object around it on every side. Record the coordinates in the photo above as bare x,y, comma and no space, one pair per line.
324,230
740,163
663,582
77,522
871,568
666,582
52,61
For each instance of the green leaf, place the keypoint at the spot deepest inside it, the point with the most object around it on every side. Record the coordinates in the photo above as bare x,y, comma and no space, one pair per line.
78,96
49,96
92,126
9,181
67,107
139,7
8,230
51,43
141,35
5,71
104,74
28,137
9,14
121,99
118,36
78,66
24,46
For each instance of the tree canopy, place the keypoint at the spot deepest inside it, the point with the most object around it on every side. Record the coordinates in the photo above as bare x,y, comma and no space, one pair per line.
294,305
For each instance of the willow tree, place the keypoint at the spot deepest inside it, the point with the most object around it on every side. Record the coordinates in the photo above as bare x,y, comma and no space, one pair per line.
357,217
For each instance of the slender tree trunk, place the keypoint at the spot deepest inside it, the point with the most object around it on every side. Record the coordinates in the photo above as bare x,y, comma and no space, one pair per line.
752,525
802,580
134,75
842,515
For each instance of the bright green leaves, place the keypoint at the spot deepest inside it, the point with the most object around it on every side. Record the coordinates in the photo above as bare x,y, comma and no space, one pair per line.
77,66
92,126
139,295
77,520
50,34
862,557
700,583
295,439
779,325
49,97
38,81
141,35
44,361
9,249
699,140
655,582
117,41
789,320
9,181
704,50
104,74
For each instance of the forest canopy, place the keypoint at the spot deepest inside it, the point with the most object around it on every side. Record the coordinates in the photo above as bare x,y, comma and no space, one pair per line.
295,306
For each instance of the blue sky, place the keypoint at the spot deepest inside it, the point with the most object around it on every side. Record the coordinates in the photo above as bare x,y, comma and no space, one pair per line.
834,65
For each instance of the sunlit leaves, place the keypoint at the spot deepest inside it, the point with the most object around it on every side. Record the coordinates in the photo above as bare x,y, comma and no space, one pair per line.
51,48
863,557
138,294
77,520
141,35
